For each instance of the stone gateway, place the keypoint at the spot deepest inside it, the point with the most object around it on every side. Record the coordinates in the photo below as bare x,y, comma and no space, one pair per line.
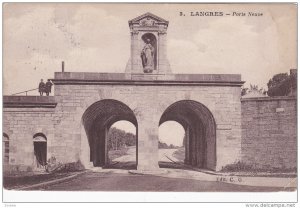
73,124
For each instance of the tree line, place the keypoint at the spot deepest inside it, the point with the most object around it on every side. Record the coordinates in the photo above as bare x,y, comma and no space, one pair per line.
162,145
281,84
118,139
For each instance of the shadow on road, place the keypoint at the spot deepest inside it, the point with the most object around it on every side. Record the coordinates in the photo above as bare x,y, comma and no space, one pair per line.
121,165
173,165
132,165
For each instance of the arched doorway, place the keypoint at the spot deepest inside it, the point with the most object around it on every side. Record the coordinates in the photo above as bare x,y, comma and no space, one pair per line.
200,132
97,120
40,150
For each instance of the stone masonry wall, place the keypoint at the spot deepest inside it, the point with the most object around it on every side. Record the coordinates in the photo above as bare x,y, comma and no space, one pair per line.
269,125
148,103
21,124
66,136
269,132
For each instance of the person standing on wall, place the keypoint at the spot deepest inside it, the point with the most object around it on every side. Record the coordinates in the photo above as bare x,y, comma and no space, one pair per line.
48,87
42,87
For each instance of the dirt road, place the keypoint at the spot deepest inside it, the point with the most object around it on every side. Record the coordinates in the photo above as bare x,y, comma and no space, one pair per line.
163,154
109,181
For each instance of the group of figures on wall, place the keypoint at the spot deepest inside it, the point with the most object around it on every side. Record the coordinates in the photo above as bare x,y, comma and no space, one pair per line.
45,87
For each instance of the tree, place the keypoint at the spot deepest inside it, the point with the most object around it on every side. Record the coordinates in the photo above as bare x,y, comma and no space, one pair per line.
118,138
130,139
277,79
253,87
162,145
282,84
244,91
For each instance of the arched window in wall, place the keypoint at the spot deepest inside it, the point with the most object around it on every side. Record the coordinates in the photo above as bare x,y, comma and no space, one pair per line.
5,148
40,149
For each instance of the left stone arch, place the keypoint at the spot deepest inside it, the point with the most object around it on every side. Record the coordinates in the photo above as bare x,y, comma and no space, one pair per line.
97,119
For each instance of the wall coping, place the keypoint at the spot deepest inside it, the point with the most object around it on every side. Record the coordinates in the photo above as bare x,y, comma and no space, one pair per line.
277,98
89,78
29,101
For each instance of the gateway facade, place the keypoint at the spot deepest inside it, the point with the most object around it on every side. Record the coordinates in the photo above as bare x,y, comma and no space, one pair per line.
73,124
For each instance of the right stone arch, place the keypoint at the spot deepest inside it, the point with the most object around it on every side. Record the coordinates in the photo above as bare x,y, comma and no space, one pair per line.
200,132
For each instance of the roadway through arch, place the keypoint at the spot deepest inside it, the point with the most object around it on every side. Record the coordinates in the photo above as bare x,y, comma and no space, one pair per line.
97,120
200,132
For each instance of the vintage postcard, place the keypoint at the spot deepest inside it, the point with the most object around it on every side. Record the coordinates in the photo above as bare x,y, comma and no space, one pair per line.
111,99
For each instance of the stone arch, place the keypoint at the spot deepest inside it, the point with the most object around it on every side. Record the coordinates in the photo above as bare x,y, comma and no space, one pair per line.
40,149
39,137
200,131
97,119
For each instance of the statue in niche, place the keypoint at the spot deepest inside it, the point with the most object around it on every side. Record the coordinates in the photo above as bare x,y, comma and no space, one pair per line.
147,56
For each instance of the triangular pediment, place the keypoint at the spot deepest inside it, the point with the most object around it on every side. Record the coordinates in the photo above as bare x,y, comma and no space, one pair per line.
148,19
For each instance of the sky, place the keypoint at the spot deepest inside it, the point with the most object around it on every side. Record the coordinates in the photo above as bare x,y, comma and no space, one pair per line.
93,37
